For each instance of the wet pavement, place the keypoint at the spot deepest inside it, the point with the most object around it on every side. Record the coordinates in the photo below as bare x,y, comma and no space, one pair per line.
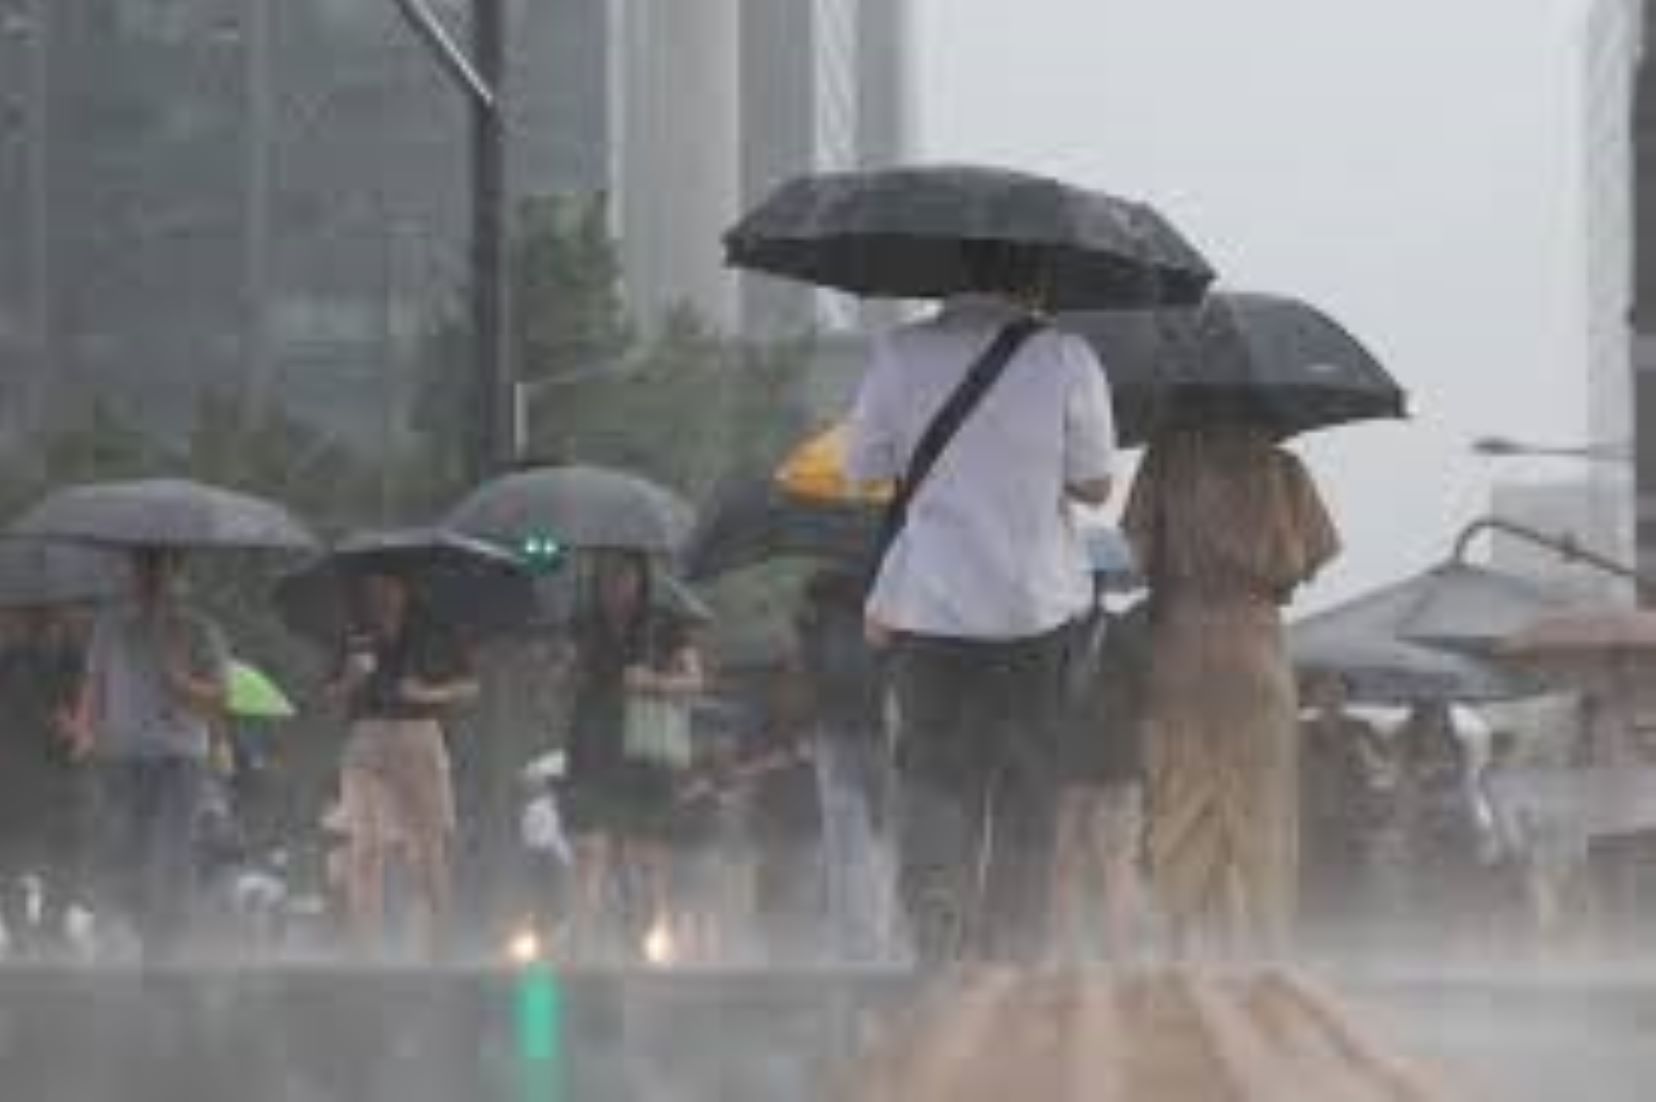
322,1035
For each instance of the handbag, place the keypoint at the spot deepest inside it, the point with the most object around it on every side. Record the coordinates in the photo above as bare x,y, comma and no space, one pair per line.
656,730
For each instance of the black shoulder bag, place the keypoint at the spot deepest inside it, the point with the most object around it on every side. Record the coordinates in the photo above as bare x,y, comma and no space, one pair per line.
943,428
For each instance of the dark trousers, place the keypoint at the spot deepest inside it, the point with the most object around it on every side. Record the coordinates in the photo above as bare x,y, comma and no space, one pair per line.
977,768
147,810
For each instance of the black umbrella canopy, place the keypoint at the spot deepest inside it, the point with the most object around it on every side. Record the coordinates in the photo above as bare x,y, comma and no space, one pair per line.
465,583
1264,360
898,233
579,507
164,513
40,573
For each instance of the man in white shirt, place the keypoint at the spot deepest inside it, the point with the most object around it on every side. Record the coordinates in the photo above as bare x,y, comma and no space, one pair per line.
976,595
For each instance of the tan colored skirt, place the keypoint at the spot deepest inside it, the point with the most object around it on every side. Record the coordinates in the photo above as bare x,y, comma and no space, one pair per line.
396,784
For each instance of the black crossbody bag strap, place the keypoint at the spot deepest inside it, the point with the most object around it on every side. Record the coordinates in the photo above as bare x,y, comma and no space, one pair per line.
946,424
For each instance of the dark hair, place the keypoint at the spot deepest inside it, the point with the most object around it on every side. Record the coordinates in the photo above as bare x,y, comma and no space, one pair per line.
593,626
1428,737
999,267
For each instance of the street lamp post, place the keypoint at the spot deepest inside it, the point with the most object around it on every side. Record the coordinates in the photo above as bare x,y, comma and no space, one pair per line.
1502,447
481,76
1564,544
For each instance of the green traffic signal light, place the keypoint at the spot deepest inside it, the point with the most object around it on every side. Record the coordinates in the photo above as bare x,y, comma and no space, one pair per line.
541,553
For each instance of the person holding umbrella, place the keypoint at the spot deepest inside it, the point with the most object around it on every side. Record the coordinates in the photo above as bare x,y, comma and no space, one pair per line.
400,675
982,574
976,584
629,653
156,675
1227,525
399,610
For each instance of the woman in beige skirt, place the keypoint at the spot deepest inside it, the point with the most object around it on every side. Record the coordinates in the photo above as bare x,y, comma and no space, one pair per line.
400,677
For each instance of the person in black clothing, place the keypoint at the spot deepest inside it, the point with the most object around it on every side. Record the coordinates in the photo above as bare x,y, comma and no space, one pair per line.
43,805
1101,761
619,805
400,677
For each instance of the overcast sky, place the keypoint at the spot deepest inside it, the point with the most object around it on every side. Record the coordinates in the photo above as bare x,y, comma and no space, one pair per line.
1411,165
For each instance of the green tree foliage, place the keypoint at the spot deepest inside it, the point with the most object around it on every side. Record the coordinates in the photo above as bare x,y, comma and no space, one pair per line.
690,410
567,319
686,406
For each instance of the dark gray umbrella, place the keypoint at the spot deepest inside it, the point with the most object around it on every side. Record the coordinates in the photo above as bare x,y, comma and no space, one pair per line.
897,233
1364,642
465,583
167,513
756,522
578,507
1257,359
35,572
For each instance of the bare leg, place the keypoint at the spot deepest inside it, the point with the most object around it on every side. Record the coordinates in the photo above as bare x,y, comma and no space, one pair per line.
430,857
593,860
365,891
652,862
365,854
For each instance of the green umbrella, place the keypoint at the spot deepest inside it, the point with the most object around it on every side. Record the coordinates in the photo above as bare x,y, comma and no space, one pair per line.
253,695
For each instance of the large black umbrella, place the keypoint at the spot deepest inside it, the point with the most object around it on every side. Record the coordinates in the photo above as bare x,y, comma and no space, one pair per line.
165,513
35,572
578,507
1257,359
897,233
465,583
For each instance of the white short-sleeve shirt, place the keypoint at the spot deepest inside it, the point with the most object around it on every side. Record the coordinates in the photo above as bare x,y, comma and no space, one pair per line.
990,550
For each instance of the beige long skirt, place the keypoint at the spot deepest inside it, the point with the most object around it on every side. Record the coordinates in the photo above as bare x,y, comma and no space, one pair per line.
1223,775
